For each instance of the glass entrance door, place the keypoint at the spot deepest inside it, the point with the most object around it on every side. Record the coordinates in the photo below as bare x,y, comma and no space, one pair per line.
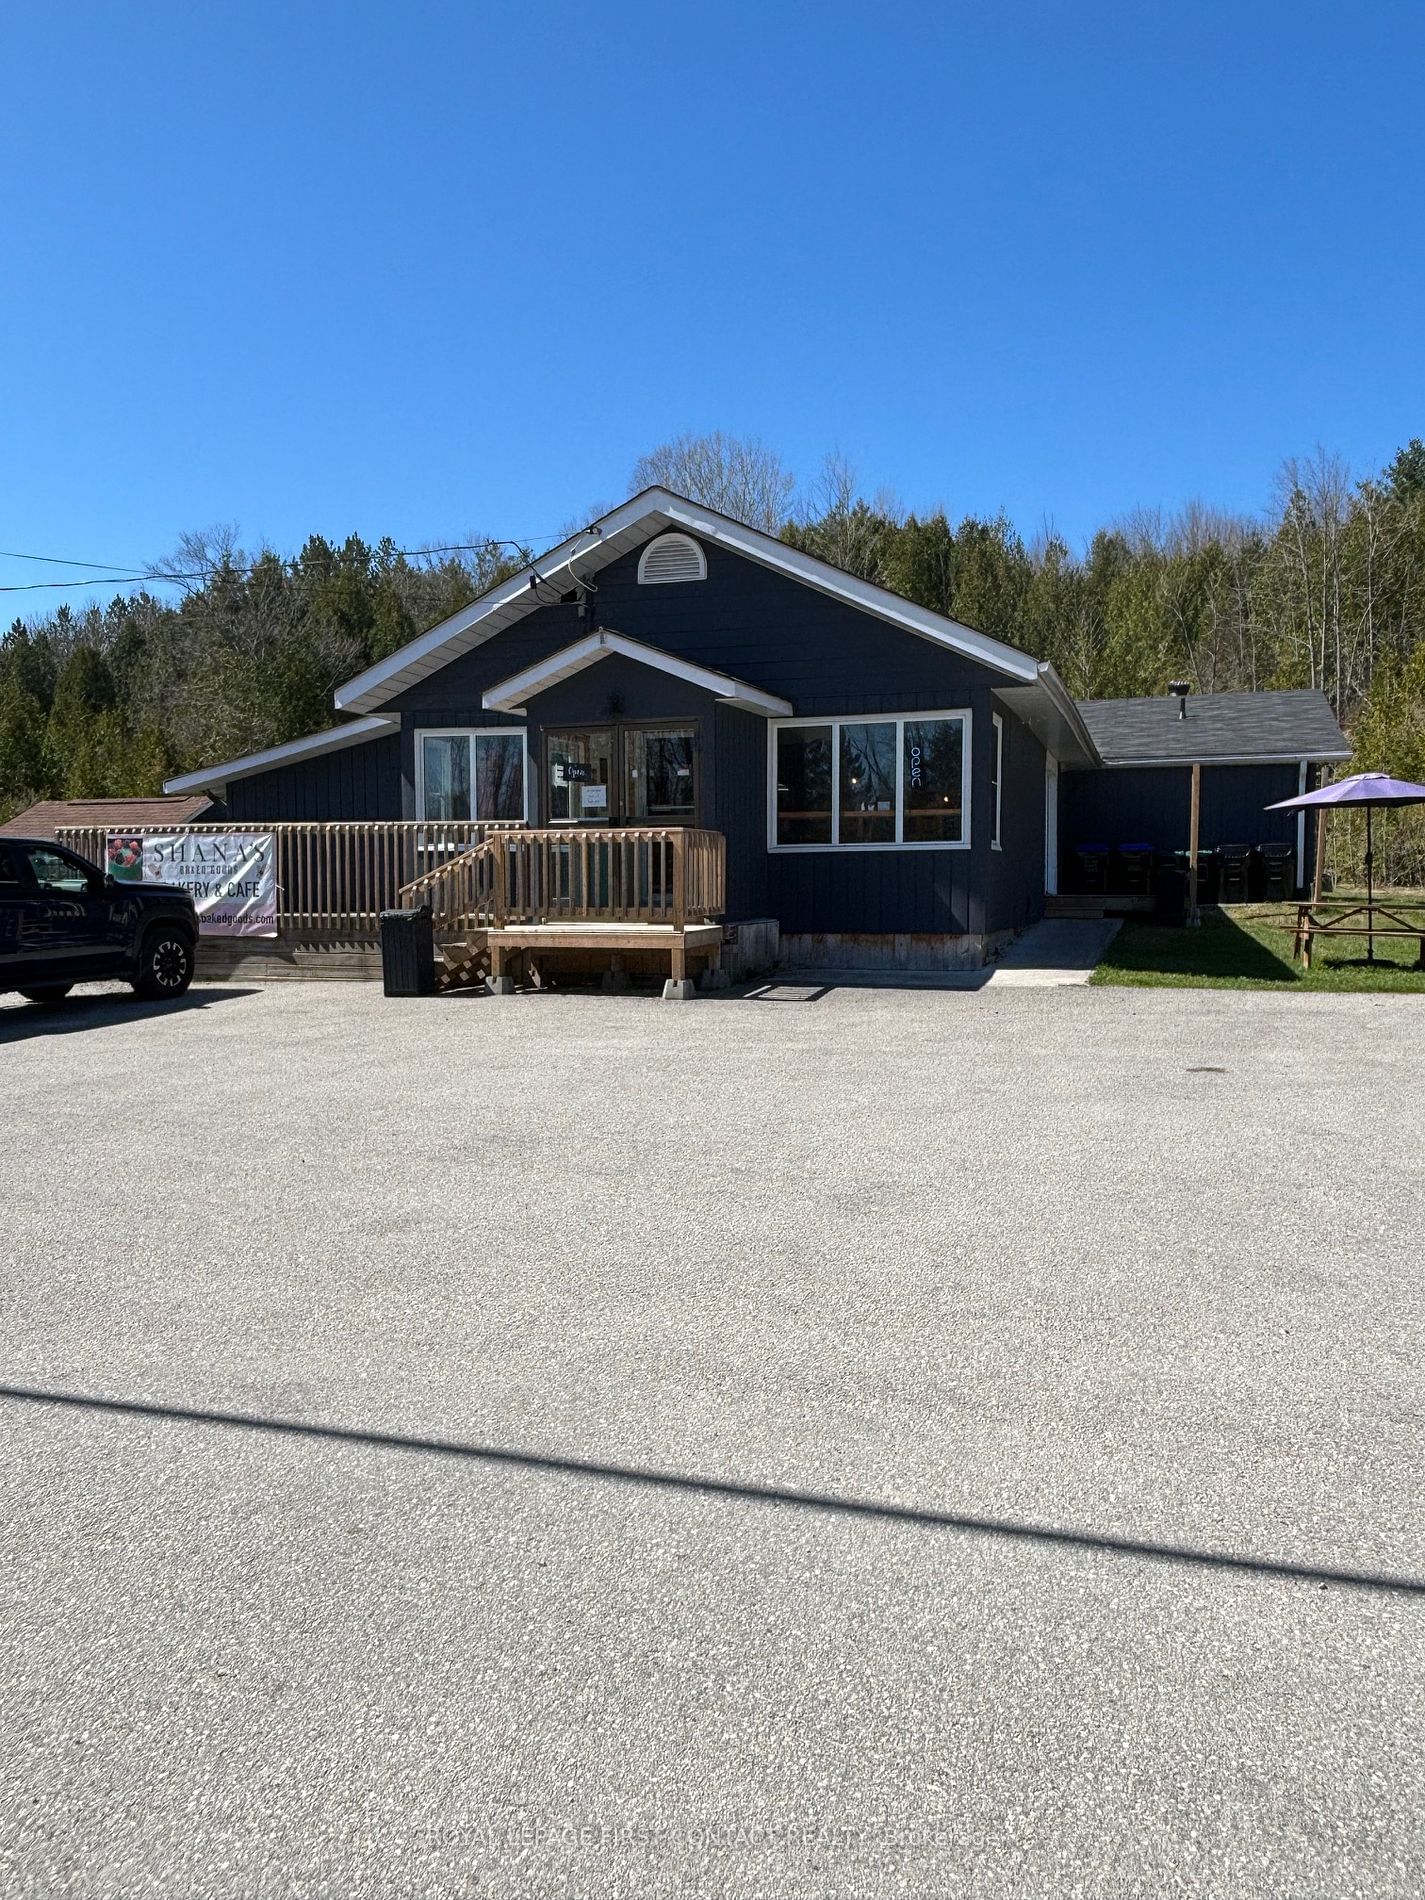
622,775
579,777
660,763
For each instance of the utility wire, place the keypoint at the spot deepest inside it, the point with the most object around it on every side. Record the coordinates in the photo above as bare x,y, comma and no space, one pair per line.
58,560
175,578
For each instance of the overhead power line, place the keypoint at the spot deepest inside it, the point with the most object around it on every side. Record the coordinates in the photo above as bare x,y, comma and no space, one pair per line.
173,577
58,560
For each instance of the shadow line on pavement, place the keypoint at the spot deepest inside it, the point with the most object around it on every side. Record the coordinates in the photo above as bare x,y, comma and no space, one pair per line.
109,1009
730,1488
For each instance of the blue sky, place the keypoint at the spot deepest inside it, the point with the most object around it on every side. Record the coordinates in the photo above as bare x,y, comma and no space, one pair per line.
425,269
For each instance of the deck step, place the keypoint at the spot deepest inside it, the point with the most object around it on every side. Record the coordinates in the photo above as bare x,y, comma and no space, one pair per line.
1074,906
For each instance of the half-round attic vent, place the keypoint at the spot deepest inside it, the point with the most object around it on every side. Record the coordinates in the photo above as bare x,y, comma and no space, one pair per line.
672,557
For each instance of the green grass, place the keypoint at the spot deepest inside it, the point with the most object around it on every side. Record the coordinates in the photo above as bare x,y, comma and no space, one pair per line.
1239,948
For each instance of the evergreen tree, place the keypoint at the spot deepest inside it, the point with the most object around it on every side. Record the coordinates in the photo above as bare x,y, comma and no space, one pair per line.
81,730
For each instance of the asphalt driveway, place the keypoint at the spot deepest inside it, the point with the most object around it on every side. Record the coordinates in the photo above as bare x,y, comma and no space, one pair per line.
840,1443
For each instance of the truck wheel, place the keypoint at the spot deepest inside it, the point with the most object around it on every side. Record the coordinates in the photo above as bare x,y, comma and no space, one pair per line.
47,992
165,965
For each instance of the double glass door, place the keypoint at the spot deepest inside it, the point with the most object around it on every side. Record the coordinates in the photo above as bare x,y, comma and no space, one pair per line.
622,775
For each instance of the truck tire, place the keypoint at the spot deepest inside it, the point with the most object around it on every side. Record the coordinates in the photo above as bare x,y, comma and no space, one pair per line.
47,992
165,965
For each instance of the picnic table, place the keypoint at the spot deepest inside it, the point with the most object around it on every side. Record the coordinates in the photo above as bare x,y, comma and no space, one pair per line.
1369,920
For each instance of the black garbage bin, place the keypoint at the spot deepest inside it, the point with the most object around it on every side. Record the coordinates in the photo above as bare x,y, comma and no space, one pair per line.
407,952
1170,891
1233,868
1091,867
1209,869
1277,874
1135,869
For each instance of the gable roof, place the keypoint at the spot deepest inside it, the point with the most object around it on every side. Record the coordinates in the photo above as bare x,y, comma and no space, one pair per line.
602,644
1216,728
334,739
617,533
44,819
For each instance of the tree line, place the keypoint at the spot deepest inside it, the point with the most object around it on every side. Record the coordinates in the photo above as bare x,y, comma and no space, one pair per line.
1326,588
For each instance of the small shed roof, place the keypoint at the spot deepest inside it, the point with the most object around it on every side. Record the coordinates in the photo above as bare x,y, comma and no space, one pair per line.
1215,728
47,817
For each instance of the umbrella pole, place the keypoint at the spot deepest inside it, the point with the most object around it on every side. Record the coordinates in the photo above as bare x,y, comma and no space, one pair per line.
1370,893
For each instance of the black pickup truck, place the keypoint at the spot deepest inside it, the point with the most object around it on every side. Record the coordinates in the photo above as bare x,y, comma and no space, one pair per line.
62,922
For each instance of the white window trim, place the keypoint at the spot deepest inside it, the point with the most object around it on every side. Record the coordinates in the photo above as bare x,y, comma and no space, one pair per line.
472,733
997,836
898,720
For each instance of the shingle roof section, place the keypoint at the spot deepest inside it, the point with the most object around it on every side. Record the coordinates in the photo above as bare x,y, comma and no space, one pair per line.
115,814
1248,726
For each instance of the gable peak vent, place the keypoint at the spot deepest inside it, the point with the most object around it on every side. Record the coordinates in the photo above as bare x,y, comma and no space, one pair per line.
672,557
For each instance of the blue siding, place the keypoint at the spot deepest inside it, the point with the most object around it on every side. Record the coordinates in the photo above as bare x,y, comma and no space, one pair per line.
824,656
362,781
821,654
1016,870
1151,805
740,813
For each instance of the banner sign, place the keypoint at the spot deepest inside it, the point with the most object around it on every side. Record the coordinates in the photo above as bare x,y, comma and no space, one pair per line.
231,876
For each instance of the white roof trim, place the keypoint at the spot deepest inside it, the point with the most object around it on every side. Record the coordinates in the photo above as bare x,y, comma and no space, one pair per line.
619,532
1048,709
357,732
509,695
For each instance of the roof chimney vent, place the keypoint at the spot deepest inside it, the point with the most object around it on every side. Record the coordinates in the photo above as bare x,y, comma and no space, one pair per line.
1179,689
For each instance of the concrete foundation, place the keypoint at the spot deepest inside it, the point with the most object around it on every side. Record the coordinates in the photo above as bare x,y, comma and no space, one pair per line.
751,948
854,951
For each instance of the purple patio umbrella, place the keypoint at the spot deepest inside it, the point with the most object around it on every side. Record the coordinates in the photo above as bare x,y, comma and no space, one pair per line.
1362,788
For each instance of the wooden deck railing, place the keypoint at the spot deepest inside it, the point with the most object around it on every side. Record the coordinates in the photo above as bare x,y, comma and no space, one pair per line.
460,891
626,874
332,879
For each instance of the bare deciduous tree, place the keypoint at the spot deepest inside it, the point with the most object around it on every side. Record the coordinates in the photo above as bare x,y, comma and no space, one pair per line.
738,475
200,554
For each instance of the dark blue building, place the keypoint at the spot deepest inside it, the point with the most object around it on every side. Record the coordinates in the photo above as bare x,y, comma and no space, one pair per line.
889,782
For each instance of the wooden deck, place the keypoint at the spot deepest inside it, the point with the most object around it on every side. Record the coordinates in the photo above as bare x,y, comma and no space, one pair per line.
632,898
619,950
622,898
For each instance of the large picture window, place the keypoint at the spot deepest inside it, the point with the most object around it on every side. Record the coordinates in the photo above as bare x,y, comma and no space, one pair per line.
804,783
471,775
871,782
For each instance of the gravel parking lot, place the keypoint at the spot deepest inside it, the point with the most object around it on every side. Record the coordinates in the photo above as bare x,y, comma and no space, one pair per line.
822,1443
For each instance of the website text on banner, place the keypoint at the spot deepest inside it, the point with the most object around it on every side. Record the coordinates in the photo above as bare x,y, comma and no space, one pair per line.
232,879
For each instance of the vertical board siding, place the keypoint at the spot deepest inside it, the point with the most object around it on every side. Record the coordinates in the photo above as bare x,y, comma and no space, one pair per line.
824,656
792,640
361,782
739,741
1016,870
1149,804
